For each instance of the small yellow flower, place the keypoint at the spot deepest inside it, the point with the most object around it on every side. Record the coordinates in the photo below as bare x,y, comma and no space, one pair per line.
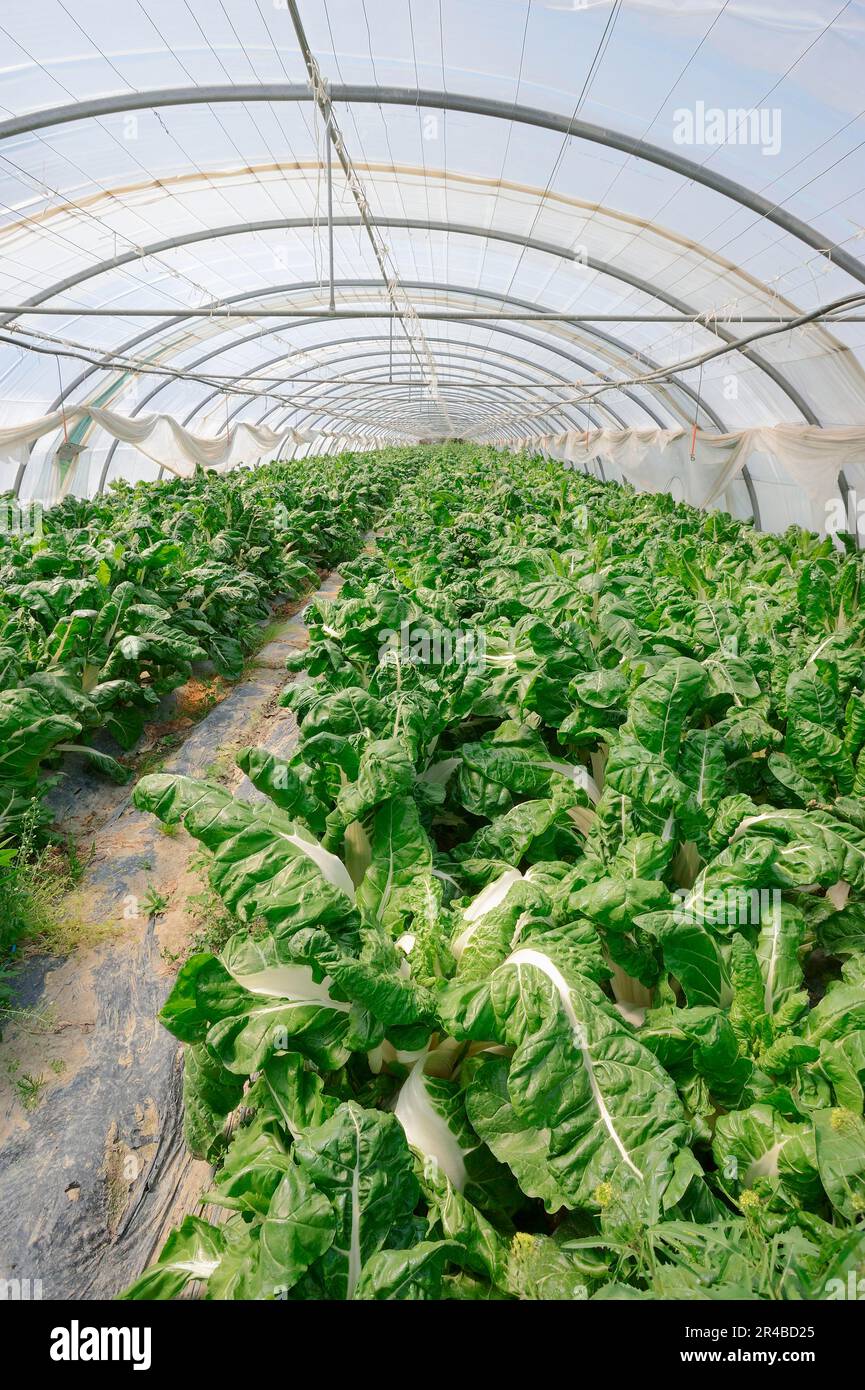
749,1200
522,1243
603,1194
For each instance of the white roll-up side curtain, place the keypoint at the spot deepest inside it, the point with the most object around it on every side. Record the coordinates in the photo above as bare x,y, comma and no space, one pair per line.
160,438
706,465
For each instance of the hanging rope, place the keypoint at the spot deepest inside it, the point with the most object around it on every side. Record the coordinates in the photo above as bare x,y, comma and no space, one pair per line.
696,415
62,399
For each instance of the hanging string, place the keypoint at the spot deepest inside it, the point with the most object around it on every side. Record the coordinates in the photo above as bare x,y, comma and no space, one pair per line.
696,415
62,401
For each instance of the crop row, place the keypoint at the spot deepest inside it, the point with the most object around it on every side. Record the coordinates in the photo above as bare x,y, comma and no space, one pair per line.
106,604
549,971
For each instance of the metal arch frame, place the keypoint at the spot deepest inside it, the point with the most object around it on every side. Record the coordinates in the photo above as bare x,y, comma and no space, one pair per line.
476,359
619,348
553,331
358,93
553,350
462,409
499,352
417,224
558,416
406,389
633,147
400,352
298,287
483,410
719,424
238,342
686,390
200,405
625,349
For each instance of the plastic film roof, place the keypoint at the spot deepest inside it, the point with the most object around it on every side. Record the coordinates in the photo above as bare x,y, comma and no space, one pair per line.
610,163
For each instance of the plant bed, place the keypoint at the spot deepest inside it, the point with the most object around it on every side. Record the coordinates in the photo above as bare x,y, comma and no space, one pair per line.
561,987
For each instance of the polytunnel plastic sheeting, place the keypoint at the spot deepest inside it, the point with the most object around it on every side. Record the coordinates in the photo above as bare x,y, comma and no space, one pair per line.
589,159
159,438
700,468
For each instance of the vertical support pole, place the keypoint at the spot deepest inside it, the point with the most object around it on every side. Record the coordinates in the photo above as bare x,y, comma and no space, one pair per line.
330,207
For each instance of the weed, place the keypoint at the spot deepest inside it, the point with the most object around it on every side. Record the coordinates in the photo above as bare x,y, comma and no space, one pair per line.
37,913
42,1019
29,1089
154,902
213,924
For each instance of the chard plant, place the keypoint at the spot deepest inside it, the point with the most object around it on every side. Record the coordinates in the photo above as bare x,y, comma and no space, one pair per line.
107,603
551,983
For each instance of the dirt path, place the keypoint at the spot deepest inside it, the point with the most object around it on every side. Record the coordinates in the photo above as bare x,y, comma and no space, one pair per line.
93,1176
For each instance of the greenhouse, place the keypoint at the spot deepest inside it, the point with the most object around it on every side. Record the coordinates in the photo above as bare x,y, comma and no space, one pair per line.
432,652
